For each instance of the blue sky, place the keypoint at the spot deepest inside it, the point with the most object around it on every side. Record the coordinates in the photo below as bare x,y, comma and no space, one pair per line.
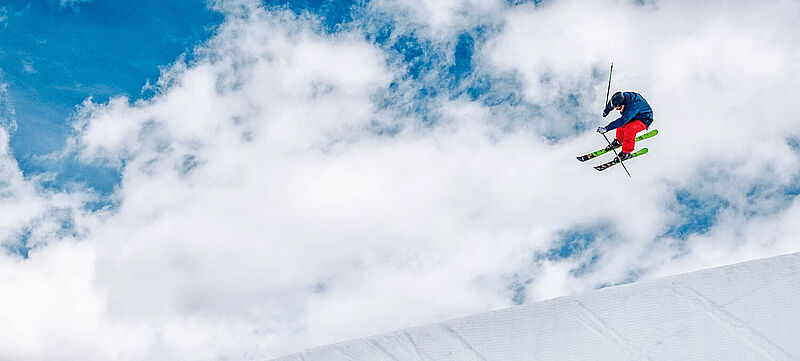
256,173
55,56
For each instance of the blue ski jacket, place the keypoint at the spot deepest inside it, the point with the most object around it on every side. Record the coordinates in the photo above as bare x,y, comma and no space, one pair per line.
635,108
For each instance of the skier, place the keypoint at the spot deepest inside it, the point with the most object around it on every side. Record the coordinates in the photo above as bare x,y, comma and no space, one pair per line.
636,115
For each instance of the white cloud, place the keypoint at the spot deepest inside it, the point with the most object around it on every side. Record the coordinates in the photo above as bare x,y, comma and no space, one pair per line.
8,114
717,79
261,210
35,292
441,19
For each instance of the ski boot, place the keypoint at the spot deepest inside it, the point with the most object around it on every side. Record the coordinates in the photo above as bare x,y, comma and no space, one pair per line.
624,156
615,144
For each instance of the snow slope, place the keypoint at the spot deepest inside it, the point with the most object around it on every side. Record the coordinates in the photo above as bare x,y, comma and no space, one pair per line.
746,311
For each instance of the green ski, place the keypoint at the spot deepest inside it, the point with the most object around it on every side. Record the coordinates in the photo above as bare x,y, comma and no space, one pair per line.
635,154
600,152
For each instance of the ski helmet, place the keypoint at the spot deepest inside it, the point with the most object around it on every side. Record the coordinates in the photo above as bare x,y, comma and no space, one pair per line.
617,99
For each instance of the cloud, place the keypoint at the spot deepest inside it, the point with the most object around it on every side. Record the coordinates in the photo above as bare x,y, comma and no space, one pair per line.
702,71
276,194
441,19
8,119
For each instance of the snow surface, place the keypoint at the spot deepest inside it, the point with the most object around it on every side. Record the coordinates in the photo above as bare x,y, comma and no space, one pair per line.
746,311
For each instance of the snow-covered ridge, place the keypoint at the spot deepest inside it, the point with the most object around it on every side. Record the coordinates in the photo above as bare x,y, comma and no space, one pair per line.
746,311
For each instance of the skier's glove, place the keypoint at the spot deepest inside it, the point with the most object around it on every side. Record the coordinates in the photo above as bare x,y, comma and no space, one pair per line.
601,130
605,114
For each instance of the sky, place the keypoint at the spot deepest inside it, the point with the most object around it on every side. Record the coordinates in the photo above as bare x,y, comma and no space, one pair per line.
236,179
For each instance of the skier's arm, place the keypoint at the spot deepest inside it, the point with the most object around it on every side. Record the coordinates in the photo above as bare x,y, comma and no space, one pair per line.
624,119
607,109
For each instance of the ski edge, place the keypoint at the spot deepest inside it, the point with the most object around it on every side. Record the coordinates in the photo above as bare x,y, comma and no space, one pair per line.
607,165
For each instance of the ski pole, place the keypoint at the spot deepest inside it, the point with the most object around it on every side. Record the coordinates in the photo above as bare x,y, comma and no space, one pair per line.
608,91
617,155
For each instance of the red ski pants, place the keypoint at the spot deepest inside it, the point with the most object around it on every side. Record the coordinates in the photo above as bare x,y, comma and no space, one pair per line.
627,134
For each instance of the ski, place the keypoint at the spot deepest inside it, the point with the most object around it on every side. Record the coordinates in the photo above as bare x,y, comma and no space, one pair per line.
635,154
600,152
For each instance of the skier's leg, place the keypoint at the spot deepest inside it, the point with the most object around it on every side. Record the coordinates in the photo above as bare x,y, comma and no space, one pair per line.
629,135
